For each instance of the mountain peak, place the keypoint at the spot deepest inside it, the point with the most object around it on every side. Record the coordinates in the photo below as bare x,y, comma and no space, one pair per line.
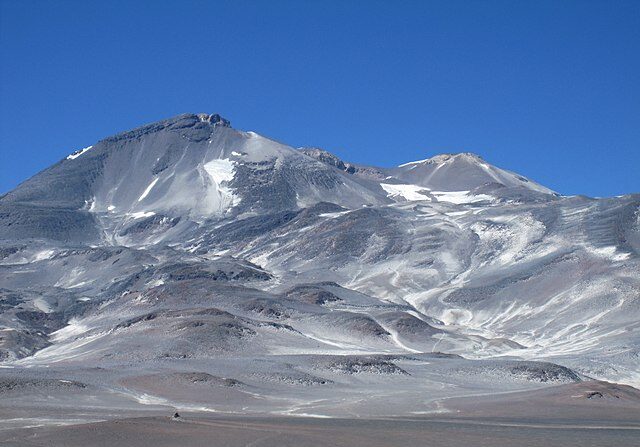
195,122
214,119
461,171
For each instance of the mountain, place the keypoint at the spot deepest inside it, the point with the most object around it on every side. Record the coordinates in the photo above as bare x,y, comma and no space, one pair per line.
191,167
466,171
190,264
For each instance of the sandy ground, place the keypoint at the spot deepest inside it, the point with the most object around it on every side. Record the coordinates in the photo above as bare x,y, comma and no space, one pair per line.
244,432
583,414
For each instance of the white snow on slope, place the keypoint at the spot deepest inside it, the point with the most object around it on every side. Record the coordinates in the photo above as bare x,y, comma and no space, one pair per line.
334,215
407,192
148,190
610,252
78,153
141,214
220,170
411,163
459,197
72,329
219,196
416,192
42,255
43,305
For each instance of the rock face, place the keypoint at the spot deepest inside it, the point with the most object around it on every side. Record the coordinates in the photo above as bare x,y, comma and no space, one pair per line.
201,249
328,158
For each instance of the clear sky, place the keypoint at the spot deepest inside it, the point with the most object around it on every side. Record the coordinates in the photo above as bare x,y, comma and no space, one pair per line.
550,89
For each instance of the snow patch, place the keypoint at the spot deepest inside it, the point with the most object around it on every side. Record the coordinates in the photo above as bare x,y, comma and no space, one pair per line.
72,329
141,214
148,190
78,153
407,192
411,163
42,255
156,283
456,316
334,215
42,305
219,196
459,197
417,192
610,252
220,170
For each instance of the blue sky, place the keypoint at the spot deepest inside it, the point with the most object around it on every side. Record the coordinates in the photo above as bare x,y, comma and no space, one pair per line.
548,89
